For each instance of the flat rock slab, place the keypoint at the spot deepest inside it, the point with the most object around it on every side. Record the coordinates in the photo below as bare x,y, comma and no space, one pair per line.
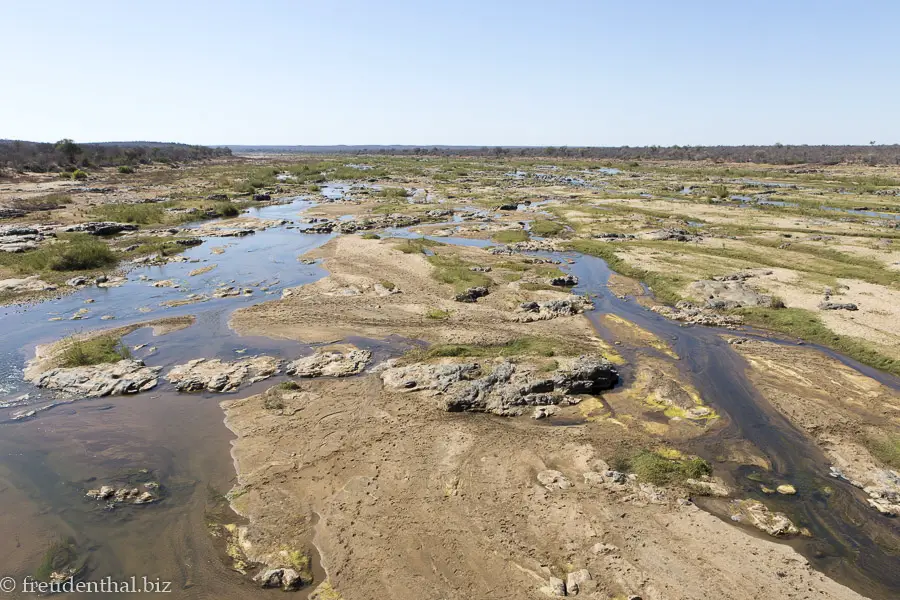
123,377
330,364
221,376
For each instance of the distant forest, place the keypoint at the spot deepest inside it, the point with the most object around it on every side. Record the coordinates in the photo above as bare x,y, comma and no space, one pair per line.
778,154
40,157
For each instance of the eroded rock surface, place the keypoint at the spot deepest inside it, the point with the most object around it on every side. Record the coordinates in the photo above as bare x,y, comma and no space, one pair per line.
731,294
543,311
123,377
758,514
507,388
330,364
221,376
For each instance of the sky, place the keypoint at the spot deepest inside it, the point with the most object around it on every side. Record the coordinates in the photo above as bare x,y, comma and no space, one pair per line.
463,72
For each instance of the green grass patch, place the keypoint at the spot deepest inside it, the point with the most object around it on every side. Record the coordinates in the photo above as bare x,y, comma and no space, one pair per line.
73,252
452,270
370,236
60,556
393,192
93,351
654,468
806,325
545,228
510,236
45,202
437,314
142,214
885,447
416,246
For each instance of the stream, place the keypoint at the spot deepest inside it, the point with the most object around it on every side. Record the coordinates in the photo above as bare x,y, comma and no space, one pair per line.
48,460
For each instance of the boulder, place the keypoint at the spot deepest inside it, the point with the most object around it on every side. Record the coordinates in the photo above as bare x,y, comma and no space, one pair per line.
837,306
553,480
758,514
221,376
330,364
567,280
472,294
578,581
122,377
27,284
101,227
731,294
543,311
262,197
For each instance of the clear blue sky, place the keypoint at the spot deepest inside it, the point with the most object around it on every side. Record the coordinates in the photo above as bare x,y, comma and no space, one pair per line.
454,72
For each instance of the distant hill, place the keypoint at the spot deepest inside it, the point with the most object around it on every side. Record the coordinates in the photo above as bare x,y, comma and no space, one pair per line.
42,157
776,154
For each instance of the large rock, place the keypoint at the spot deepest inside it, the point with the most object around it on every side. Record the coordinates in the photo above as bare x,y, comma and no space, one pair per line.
330,364
123,377
543,311
731,294
101,227
472,294
508,389
27,284
221,376
758,514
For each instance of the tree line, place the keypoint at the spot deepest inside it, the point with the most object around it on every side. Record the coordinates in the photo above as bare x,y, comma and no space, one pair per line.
39,157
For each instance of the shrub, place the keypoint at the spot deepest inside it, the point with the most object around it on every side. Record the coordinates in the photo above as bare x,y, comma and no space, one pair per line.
79,175
126,169
393,192
94,351
437,314
143,214
651,467
371,236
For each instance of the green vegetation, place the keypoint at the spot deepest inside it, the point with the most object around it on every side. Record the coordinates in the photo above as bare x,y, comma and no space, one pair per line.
417,245
657,469
885,447
60,556
437,314
289,386
545,228
370,236
93,351
143,214
79,175
805,325
452,270
510,236
393,192
126,169
73,252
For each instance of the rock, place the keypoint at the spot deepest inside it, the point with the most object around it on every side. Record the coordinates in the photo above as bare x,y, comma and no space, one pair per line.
556,587
77,281
217,197
11,213
27,284
480,269
688,313
553,480
189,242
568,280
837,306
616,477
543,311
101,228
676,235
330,364
123,377
601,548
262,197
587,375
593,478
508,389
708,486
731,294
577,581
472,294
220,376
542,412
509,206
758,514
786,489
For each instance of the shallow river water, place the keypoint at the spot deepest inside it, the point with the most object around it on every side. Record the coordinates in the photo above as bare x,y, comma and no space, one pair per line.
47,461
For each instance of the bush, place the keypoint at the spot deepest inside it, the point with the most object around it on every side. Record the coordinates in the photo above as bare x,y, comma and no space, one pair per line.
126,169
437,314
94,351
143,214
79,175
81,255
653,468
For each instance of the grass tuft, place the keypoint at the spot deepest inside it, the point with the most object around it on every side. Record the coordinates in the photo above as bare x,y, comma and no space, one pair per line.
94,351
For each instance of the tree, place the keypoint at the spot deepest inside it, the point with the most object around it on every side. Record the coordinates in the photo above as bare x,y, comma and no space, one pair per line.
69,149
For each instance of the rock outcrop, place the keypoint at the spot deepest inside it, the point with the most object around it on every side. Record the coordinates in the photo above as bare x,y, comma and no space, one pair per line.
108,379
220,376
507,389
472,294
543,311
758,514
731,294
330,364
